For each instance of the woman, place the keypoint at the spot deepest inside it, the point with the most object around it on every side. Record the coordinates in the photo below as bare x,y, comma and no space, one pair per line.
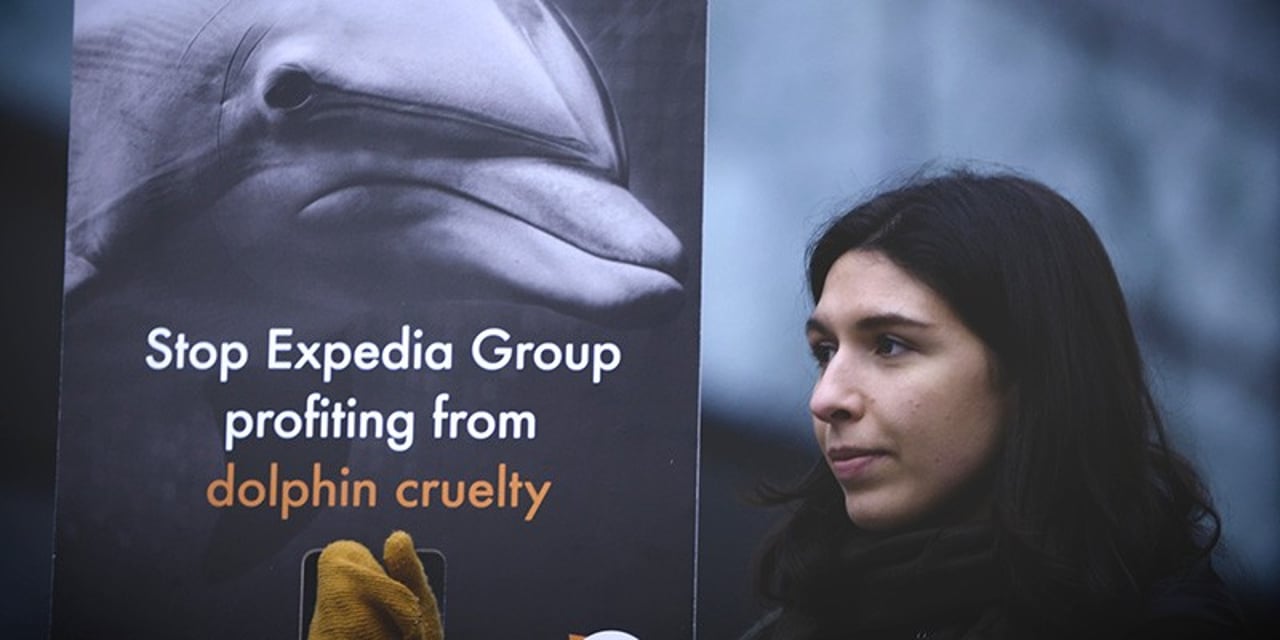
994,465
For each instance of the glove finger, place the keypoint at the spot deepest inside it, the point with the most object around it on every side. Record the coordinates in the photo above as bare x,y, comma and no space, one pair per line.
403,564
357,600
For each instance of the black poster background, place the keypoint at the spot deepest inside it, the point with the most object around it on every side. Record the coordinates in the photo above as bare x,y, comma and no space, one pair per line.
139,551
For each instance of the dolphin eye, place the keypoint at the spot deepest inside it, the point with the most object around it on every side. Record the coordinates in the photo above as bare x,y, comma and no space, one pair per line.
289,90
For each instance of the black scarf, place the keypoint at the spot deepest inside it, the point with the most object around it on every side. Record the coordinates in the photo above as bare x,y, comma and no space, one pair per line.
886,587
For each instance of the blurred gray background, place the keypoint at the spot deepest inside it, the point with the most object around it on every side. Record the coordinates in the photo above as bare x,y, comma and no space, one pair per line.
1158,119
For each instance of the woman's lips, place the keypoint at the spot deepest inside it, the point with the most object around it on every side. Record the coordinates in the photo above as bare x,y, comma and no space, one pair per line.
852,463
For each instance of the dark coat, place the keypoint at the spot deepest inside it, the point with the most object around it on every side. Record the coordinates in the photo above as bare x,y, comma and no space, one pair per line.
1193,606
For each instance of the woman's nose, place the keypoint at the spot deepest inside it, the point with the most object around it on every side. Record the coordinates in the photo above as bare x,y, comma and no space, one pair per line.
836,398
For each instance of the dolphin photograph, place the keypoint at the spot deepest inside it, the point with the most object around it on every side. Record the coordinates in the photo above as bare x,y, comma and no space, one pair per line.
366,154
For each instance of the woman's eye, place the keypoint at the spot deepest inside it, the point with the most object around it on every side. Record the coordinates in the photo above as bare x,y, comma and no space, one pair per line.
889,346
823,352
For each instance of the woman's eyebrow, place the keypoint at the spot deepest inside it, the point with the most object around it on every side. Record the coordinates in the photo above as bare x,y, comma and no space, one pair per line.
886,320
814,325
870,323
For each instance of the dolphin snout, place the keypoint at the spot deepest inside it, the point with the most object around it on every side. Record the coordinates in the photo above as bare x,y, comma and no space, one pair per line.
578,206
531,229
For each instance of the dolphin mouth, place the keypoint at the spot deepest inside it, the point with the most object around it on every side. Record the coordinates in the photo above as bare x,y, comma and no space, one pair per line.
544,231
585,212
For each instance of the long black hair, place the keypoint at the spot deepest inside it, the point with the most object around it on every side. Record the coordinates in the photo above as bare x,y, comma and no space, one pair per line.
1090,504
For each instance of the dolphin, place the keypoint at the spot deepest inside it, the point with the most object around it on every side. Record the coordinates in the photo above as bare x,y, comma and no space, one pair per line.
358,154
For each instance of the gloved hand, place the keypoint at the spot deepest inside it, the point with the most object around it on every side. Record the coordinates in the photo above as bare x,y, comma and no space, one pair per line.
357,600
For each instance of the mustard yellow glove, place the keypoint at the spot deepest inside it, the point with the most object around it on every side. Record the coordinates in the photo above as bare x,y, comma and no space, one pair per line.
356,599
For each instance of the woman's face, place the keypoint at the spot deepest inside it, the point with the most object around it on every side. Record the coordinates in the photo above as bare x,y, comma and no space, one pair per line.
906,408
